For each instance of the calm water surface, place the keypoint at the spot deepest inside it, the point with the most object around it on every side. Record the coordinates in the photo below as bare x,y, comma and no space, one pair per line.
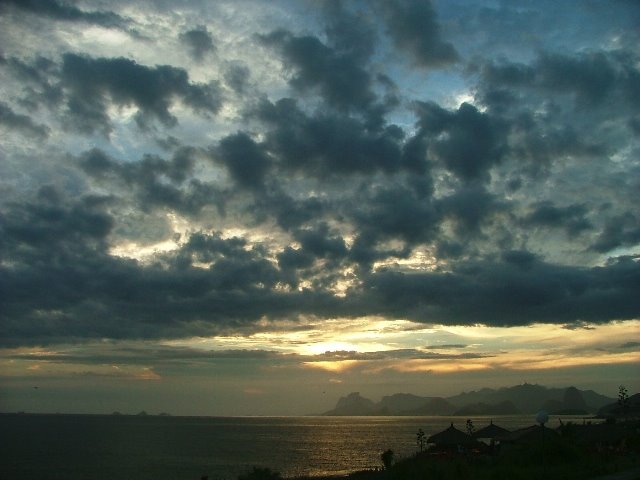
75,447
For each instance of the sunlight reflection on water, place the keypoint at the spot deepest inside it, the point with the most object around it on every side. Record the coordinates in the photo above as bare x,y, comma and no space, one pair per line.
106,447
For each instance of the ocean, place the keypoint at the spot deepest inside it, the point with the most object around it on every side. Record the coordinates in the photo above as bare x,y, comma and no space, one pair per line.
97,447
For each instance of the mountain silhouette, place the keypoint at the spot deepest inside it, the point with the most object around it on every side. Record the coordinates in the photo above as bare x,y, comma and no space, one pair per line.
352,404
503,408
530,398
525,398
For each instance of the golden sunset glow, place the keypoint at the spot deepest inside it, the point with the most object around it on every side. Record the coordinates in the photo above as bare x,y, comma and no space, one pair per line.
334,367
260,207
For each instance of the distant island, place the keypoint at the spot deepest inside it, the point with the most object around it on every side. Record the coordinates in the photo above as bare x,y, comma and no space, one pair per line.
142,413
518,399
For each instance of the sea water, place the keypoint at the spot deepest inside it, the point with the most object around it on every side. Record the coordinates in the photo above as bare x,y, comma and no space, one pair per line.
97,447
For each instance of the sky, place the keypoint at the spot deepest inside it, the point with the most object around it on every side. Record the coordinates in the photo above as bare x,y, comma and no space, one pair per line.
256,207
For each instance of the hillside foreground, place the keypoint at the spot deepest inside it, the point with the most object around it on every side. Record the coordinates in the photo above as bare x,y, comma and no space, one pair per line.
574,454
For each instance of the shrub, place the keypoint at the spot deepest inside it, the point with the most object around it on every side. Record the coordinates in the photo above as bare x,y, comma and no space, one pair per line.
387,459
260,474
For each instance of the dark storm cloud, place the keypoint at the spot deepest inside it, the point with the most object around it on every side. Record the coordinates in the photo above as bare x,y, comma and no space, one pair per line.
114,354
413,26
325,145
557,109
245,159
21,123
367,249
321,243
67,12
91,83
59,282
291,259
333,176
506,294
446,346
523,259
561,105
208,249
395,211
339,73
199,41
39,81
321,252
578,325
49,223
572,218
156,182
621,230
349,31
539,143
400,354
634,125
470,207
237,77
467,141
291,213
591,77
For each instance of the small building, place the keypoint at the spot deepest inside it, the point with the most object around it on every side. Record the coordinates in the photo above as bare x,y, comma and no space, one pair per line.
491,432
451,438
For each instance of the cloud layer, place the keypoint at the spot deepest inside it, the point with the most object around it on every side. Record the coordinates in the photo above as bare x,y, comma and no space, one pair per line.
172,180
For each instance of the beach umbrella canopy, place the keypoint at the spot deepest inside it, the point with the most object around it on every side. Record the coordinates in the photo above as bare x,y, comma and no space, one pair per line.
450,436
491,431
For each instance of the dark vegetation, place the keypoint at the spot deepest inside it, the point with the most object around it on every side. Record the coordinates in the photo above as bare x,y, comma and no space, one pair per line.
558,458
260,474
571,455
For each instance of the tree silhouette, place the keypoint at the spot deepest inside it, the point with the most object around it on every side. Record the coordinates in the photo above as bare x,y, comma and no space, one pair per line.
260,474
421,439
623,399
470,427
387,459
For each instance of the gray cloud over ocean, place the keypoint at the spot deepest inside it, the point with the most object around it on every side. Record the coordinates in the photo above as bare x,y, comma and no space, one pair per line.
373,160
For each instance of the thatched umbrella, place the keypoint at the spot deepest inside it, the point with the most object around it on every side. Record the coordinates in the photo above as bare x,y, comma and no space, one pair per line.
450,437
491,431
